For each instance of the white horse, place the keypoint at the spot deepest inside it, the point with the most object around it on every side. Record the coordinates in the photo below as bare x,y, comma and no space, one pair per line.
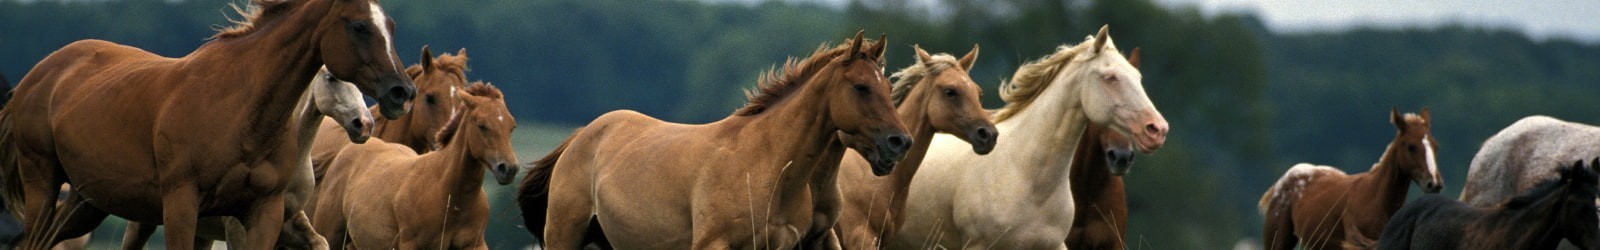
326,97
1018,197
1526,153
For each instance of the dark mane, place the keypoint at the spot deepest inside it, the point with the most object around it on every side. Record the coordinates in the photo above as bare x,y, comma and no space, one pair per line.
476,88
254,12
1539,192
774,84
449,63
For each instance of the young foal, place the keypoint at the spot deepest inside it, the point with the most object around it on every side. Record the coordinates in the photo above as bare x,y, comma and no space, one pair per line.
328,97
1319,207
736,183
165,140
437,79
933,95
1103,156
383,195
1562,208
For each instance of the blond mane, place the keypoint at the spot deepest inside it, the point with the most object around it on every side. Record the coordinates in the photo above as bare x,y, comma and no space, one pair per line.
1033,77
251,13
775,84
449,63
907,78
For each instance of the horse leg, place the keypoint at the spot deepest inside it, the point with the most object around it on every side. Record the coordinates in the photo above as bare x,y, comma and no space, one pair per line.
1277,234
566,221
137,235
299,233
265,222
180,214
41,186
77,219
331,222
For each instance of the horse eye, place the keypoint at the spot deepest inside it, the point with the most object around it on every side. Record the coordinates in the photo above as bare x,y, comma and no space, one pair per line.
359,27
950,92
1412,148
863,88
429,98
483,127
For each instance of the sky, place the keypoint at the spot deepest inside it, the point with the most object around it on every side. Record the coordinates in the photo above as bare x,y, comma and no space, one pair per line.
1540,19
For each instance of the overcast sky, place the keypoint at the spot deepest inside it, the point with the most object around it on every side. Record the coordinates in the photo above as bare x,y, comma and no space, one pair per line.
1540,19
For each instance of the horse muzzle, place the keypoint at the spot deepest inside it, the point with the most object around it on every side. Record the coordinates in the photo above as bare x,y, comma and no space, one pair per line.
359,129
396,100
1119,160
504,172
983,139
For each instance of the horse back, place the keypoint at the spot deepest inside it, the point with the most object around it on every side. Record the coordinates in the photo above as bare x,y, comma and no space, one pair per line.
1429,222
1524,154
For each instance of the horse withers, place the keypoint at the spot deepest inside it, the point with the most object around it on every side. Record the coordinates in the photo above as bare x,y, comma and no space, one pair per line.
1556,209
1320,207
200,135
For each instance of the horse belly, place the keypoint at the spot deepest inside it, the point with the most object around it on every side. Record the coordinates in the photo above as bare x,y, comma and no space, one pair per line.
639,211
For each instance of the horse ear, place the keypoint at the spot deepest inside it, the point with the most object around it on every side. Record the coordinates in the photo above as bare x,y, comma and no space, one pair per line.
1395,118
1425,116
462,52
1100,38
922,55
855,45
883,44
427,57
971,57
1133,58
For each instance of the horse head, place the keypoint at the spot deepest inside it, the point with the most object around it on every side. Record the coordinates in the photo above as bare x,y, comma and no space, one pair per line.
342,101
1113,91
1577,215
437,79
1413,149
948,97
356,44
857,99
484,127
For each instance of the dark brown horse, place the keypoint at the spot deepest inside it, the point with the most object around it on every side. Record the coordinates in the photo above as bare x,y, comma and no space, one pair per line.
1320,207
437,80
737,183
1101,218
1561,208
935,94
385,196
168,140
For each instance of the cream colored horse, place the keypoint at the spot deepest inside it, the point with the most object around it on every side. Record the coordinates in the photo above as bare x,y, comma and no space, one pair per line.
1018,197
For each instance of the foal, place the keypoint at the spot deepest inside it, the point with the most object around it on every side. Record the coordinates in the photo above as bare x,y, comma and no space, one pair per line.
1101,221
382,195
1536,219
437,79
1322,208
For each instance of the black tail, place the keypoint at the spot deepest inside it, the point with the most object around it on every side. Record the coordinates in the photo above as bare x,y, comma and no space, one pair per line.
9,172
533,195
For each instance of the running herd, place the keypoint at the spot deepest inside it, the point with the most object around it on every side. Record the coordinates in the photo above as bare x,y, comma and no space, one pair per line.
261,138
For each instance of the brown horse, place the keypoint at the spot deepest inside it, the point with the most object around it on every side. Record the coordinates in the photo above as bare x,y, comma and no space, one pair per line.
168,140
736,183
1319,207
1555,209
437,79
385,196
1103,156
933,95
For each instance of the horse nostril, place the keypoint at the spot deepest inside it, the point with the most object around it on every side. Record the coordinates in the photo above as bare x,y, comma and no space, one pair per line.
985,134
356,123
899,142
401,92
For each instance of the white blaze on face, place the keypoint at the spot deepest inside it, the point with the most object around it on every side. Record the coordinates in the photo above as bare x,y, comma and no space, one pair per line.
1433,166
382,21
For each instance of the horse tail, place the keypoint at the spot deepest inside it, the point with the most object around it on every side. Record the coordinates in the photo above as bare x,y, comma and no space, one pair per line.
533,195
10,172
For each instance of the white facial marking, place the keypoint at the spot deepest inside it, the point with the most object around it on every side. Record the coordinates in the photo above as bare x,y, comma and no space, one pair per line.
1433,166
382,21
501,118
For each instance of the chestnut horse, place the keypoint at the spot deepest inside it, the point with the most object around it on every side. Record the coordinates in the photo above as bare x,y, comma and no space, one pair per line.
328,96
934,94
437,79
1556,209
386,196
737,183
1103,156
1018,196
201,135
1320,207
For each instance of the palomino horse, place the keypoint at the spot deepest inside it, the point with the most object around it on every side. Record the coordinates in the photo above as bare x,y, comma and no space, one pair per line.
1101,221
1556,209
1320,207
1525,154
933,95
1018,196
736,183
328,96
385,196
168,140
437,79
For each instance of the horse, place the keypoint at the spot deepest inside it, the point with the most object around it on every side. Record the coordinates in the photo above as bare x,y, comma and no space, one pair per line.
1556,209
1522,155
1103,157
328,97
437,79
384,195
1321,207
934,94
168,140
654,184
1018,196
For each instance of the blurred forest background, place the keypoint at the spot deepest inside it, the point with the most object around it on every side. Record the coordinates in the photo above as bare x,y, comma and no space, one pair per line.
1244,102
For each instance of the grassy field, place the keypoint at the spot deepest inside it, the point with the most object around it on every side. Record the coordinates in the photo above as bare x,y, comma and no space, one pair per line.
531,142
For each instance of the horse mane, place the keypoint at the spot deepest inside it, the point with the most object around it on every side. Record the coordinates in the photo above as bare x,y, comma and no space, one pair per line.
251,13
1033,77
449,63
779,82
475,88
1539,192
907,78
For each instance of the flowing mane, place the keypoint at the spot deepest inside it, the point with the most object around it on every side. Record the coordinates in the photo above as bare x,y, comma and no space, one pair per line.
1033,77
252,13
777,83
449,63
476,88
907,78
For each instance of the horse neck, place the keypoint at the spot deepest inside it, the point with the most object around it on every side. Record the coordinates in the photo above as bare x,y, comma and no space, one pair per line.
286,59
398,131
1535,222
1036,135
1388,182
915,116
307,120
799,131
460,172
